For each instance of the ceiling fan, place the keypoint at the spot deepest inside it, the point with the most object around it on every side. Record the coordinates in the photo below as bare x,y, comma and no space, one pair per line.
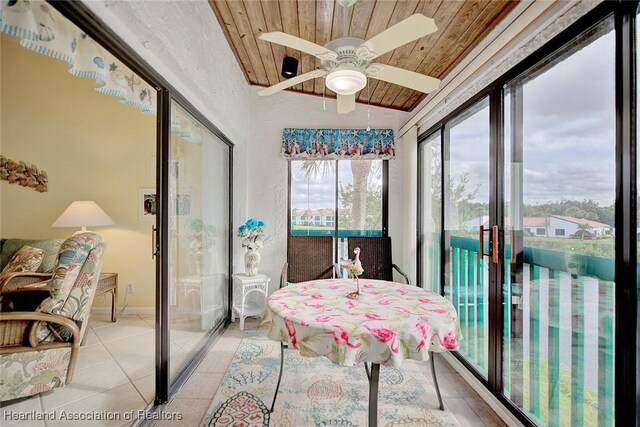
346,61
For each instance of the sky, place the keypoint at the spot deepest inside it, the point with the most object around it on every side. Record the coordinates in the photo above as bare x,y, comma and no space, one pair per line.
569,132
319,191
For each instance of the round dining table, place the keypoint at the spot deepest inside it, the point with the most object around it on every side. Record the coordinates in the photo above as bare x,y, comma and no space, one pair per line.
388,323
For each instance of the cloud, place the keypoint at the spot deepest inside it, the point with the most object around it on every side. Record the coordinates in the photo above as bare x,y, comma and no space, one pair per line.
568,131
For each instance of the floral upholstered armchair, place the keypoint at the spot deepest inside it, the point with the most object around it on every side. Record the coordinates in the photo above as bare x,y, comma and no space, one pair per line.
38,348
15,278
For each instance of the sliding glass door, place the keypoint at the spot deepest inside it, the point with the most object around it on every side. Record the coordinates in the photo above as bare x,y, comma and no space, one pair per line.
198,236
466,214
539,197
559,166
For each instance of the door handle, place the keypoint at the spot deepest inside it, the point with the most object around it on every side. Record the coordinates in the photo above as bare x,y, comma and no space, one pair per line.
494,244
493,250
153,241
481,241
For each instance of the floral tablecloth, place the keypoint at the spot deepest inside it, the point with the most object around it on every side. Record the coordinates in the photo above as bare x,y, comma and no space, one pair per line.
388,323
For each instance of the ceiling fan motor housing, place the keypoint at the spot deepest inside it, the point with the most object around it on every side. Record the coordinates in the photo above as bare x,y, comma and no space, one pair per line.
345,49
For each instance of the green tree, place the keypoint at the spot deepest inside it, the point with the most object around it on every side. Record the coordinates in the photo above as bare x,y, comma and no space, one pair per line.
584,229
360,170
373,207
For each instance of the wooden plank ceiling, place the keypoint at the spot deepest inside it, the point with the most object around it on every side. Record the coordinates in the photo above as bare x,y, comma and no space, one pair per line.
461,26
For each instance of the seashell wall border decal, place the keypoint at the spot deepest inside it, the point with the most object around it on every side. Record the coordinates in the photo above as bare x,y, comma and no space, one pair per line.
22,174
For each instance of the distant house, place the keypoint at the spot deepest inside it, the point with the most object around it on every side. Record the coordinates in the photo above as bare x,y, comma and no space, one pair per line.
313,217
536,225
568,226
560,226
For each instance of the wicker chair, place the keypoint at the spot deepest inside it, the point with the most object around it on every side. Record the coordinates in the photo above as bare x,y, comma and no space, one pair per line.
376,258
308,258
38,348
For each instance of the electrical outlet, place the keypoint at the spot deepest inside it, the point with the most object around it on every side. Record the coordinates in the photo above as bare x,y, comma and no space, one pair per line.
130,288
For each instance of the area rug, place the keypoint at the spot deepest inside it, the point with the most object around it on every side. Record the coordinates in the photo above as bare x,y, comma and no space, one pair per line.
316,393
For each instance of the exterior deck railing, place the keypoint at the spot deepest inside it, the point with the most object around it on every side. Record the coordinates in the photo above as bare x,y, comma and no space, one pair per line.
558,342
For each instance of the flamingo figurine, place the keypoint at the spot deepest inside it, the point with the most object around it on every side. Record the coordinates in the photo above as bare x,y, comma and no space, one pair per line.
355,268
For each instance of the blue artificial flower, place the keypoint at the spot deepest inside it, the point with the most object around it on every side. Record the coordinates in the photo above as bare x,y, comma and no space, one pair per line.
252,224
242,229
261,224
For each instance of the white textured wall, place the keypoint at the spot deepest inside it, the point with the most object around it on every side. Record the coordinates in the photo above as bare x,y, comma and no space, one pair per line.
268,182
183,41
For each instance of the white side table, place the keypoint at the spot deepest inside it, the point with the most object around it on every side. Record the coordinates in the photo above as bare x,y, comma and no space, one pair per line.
243,285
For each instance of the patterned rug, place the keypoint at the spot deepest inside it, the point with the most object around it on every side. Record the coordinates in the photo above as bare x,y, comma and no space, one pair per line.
316,393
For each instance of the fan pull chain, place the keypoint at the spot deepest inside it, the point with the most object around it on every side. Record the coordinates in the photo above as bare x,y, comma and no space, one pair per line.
324,101
368,108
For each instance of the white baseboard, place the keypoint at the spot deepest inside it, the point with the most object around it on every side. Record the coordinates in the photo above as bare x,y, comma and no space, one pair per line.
491,400
127,310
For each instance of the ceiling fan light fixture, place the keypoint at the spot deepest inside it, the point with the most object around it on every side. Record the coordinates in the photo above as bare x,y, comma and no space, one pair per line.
346,82
289,67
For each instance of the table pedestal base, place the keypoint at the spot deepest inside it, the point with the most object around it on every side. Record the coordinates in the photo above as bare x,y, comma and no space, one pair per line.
374,376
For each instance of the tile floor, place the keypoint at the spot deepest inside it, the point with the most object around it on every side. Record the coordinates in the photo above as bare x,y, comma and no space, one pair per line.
194,398
115,372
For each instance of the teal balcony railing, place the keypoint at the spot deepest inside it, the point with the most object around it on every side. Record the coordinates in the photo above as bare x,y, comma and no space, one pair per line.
558,346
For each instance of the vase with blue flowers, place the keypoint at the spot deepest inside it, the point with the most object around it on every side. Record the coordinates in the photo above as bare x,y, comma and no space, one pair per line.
253,238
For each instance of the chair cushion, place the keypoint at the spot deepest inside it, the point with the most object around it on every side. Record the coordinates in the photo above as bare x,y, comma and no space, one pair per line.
51,247
74,253
26,259
72,286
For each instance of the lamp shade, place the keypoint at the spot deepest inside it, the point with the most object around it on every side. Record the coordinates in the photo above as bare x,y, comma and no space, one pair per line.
83,213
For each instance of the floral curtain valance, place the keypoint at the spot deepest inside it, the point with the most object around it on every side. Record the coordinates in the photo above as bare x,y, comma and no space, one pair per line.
43,29
331,144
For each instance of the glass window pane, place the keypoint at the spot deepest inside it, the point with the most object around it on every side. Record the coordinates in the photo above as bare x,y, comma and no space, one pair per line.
431,183
313,197
359,198
559,255
466,211
199,236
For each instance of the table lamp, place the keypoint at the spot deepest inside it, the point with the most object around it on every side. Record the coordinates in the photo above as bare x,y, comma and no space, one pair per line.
83,213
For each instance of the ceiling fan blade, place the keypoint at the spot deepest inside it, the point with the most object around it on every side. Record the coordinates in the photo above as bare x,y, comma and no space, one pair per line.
403,32
297,43
402,77
292,82
346,103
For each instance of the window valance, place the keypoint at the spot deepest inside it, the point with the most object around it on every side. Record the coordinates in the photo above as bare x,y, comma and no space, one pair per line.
332,144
